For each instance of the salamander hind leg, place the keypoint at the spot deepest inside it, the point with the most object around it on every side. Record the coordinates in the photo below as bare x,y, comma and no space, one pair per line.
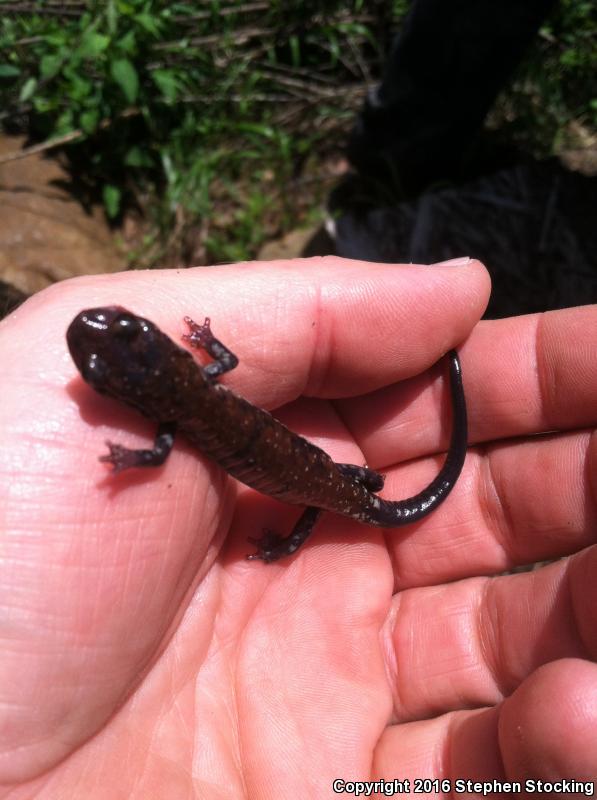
202,338
370,479
271,546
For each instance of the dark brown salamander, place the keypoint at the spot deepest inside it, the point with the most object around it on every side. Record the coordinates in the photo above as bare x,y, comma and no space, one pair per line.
127,357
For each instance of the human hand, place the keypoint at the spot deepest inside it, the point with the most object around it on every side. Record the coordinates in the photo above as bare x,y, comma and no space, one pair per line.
135,631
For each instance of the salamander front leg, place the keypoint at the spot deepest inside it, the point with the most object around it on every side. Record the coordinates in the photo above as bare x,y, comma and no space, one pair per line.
202,338
271,546
122,458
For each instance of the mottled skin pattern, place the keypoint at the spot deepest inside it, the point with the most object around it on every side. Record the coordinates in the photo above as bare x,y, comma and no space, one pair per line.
128,358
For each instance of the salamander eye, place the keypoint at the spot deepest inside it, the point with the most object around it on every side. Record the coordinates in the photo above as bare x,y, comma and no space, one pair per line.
125,326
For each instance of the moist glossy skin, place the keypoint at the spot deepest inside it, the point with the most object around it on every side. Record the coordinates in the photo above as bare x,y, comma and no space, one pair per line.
128,358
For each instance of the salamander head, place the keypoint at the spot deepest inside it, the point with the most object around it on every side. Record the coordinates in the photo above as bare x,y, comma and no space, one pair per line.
121,354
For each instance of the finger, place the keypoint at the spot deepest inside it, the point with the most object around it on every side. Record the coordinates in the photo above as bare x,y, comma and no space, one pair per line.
471,643
324,327
534,373
514,504
547,727
522,375
542,737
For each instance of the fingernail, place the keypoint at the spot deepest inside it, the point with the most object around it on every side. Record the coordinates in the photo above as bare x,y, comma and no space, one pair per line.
454,262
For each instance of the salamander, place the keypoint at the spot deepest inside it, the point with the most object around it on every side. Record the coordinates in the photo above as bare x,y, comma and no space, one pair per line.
128,358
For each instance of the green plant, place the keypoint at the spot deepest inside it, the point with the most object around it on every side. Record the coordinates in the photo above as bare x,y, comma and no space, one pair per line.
161,100
204,114
556,83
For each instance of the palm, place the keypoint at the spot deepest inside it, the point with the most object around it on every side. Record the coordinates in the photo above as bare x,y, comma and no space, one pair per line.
140,634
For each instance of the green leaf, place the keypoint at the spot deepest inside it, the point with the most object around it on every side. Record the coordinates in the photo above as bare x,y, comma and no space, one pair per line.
8,71
88,121
49,65
167,82
43,105
112,17
128,42
58,40
92,44
261,129
80,87
111,197
136,157
28,89
126,77
569,58
65,123
295,50
149,22
125,8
